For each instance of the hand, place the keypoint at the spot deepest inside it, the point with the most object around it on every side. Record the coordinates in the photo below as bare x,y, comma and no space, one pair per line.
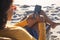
31,21
40,18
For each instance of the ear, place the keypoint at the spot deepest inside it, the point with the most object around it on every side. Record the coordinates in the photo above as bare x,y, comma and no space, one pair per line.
13,7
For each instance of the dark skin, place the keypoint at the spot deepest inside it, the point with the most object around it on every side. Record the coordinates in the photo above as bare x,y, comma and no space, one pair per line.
33,23
39,19
47,20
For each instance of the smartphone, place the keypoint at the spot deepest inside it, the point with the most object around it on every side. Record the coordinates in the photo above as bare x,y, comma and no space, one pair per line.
37,9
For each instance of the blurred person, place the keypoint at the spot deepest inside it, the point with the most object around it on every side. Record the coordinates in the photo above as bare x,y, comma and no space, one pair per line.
32,23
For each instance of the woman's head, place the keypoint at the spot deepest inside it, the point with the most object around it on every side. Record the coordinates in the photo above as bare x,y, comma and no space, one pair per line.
4,6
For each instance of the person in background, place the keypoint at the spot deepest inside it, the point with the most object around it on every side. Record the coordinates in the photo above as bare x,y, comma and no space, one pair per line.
32,24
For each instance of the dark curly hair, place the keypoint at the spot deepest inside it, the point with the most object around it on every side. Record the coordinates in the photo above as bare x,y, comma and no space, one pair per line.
4,6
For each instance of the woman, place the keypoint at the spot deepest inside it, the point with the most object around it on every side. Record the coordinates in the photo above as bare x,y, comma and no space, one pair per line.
16,33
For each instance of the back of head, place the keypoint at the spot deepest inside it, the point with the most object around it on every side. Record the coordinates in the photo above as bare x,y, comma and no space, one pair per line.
4,6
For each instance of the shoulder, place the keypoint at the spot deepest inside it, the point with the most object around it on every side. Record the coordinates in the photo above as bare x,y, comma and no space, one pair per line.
14,28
